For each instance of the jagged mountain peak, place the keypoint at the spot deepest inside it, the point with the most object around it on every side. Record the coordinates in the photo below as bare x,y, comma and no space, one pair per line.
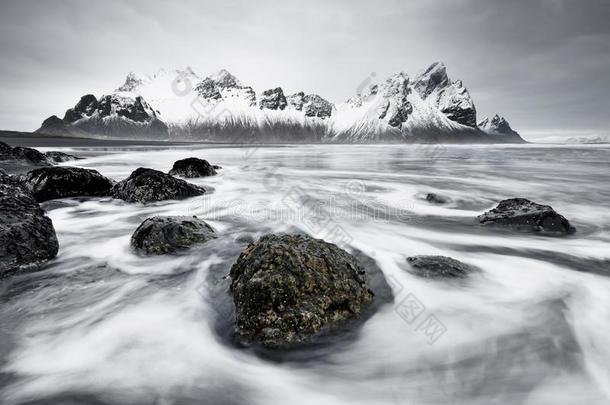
398,108
434,77
397,83
496,125
224,78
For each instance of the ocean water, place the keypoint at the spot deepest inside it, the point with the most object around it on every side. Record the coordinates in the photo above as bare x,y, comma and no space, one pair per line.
102,325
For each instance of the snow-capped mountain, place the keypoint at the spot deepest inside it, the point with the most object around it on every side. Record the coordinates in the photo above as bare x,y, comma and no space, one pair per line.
498,126
180,104
430,107
109,115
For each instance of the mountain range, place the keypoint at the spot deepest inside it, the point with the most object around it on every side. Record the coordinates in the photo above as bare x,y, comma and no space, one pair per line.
181,105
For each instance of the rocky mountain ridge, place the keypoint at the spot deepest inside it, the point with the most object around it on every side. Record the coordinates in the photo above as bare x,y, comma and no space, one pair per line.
181,105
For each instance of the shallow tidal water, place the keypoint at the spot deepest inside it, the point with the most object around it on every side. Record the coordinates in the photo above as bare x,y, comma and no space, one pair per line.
102,325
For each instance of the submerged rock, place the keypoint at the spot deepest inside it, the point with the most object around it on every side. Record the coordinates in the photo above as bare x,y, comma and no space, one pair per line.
288,289
148,185
523,214
48,183
161,235
438,267
59,157
435,198
192,167
27,236
245,238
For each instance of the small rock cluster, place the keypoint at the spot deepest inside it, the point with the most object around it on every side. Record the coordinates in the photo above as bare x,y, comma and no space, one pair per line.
29,157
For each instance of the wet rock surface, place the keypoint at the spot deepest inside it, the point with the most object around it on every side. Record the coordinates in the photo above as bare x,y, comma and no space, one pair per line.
438,267
24,158
288,289
59,157
169,234
27,236
48,183
192,167
147,185
436,198
525,215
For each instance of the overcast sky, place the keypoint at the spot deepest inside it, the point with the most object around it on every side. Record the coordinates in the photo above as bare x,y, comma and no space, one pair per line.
543,64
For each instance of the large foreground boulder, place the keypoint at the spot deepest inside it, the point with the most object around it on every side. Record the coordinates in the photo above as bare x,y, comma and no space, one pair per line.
27,236
148,185
48,183
192,167
288,289
438,267
161,235
525,215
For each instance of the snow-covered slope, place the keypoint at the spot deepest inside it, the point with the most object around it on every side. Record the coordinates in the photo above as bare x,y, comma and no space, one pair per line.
429,107
180,104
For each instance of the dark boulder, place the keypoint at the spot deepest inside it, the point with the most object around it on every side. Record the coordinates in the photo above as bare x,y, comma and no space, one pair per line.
148,185
5,151
27,236
438,267
192,167
525,215
48,183
289,289
435,198
161,235
31,155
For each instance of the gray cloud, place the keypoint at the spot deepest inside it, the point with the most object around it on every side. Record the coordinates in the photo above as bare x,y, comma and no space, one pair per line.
544,64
